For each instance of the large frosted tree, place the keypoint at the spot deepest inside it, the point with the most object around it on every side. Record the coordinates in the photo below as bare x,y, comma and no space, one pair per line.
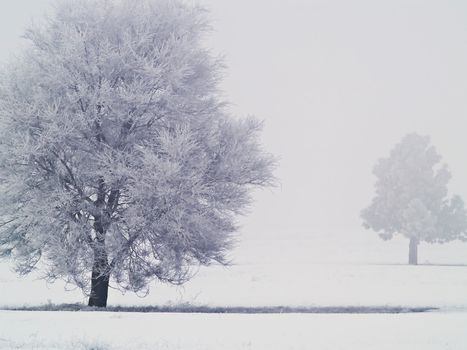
412,197
118,160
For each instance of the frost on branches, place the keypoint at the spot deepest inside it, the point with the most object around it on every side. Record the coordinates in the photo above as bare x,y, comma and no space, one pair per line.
412,197
117,156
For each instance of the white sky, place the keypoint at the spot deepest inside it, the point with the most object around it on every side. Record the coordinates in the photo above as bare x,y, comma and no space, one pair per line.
337,83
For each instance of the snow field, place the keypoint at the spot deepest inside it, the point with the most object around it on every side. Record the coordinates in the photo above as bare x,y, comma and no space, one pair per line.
118,331
274,285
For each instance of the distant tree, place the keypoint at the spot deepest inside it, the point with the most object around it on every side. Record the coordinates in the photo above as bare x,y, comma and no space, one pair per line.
411,197
118,160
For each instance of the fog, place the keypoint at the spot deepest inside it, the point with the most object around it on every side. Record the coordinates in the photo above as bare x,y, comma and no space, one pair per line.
337,84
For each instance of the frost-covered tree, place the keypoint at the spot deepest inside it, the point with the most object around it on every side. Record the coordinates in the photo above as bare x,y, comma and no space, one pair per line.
118,159
412,197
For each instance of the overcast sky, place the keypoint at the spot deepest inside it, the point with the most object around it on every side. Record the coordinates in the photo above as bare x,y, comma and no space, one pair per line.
337,83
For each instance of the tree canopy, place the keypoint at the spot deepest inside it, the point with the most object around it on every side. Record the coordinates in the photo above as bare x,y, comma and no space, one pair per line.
412,195
117,154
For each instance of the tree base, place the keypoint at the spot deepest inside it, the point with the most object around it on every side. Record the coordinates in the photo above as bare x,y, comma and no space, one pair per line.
99,290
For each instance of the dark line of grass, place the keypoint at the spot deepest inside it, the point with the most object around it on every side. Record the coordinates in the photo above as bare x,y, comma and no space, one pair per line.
229,310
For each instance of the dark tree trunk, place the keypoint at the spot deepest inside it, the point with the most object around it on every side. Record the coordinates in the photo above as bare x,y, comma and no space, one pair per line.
413,251
101,269
99,281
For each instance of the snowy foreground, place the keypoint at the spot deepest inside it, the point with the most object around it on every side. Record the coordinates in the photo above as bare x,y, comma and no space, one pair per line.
108,331
383,280
277,285
444,287
346,270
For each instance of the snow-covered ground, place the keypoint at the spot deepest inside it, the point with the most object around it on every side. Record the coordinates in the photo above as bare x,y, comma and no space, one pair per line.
320,272
323,272
292,285
109,331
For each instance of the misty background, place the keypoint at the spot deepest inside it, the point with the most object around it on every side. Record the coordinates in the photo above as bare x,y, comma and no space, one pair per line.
337,84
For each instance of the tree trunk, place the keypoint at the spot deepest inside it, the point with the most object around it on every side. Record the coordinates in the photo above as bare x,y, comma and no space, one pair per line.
413,251
99,281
